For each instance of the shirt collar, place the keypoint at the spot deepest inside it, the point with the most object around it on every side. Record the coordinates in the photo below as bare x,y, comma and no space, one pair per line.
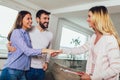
23,31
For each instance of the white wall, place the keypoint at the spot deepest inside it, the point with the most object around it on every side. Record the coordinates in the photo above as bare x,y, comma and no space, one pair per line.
19,7
116,21
53,26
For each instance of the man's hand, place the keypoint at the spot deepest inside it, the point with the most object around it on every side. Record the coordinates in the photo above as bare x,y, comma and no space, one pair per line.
10,48
45,66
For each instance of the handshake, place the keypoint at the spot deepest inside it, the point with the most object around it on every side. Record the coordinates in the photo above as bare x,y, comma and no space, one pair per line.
52,52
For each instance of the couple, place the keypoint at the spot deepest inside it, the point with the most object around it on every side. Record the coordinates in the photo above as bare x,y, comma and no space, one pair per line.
104,59
19,65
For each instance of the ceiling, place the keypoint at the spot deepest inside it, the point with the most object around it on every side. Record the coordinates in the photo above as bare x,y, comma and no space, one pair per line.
72,10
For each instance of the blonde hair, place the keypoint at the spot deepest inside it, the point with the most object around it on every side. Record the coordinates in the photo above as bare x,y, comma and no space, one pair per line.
103,22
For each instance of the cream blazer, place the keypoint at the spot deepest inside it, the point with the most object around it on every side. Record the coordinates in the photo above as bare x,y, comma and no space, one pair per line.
105,54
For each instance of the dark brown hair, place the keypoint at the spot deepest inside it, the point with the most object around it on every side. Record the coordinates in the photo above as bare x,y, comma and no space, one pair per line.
18,23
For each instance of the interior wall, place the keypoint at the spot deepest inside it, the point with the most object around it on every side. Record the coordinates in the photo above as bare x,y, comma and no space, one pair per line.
53,26
19,7
116,21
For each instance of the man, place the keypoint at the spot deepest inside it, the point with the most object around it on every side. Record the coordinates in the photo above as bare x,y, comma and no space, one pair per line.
40,38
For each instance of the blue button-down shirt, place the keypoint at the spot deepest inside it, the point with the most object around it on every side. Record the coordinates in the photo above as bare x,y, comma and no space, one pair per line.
20,59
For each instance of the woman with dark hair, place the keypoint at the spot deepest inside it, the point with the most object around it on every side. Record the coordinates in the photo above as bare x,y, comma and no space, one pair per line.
104,47
18,62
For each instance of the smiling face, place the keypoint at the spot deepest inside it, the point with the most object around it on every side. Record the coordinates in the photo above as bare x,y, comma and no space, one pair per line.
43,21
27,22
90,20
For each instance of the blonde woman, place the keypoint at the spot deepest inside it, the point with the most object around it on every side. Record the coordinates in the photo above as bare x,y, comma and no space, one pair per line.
104,56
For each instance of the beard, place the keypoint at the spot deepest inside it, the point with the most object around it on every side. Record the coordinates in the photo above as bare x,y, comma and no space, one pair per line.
43,26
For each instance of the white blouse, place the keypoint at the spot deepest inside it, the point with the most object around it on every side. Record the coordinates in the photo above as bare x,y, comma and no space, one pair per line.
104,57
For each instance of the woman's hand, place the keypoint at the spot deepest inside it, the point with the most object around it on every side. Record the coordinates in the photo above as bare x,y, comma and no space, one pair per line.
85,76
52,52
55,53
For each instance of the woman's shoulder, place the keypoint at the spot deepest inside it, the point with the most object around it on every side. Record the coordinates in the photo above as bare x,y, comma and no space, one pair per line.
18,31
15,31
109,37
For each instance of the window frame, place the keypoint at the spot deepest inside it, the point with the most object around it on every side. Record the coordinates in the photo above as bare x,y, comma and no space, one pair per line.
71,26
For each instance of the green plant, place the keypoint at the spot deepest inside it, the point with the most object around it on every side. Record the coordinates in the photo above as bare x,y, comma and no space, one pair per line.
76,41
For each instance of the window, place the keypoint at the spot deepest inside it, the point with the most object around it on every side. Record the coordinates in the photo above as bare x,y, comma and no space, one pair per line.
7,18
69,39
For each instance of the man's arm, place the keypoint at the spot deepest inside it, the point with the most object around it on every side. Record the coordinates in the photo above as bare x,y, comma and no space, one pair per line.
10,48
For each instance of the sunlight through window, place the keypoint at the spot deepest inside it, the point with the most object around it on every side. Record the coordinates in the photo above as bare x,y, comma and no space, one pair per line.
7,18
69,39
